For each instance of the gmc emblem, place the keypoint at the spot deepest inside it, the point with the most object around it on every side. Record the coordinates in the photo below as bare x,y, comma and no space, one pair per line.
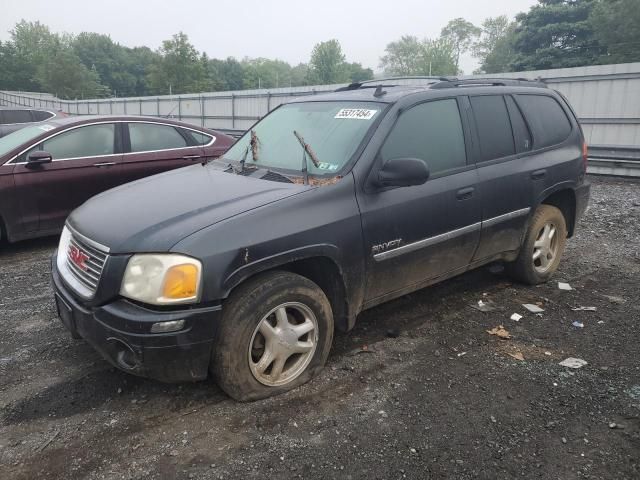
78,257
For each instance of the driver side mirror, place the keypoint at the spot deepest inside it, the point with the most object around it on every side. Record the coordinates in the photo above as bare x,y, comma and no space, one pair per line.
403,172
38,157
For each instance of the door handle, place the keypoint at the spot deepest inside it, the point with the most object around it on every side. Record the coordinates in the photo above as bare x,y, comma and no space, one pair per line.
465,193
191,157
538,174
104,164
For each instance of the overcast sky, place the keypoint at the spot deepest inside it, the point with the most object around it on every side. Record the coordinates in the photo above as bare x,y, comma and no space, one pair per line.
284,29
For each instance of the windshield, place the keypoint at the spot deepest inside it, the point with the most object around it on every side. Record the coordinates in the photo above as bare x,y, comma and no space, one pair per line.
333,131
17,138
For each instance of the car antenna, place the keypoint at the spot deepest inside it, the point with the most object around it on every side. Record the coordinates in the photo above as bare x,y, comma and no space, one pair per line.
379,92
306,149
244,159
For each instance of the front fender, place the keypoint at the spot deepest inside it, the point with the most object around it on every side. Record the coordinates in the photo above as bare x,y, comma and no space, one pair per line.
244,272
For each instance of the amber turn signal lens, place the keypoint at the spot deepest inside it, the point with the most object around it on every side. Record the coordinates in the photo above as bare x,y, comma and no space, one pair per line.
181,281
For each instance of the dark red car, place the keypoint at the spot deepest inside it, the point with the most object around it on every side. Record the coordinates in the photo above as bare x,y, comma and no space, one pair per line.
48,169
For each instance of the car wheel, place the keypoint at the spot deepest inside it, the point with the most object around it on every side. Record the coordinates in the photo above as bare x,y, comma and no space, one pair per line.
542,248
275,334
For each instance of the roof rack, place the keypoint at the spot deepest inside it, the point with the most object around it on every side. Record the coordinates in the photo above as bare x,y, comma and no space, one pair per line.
492,82
377,82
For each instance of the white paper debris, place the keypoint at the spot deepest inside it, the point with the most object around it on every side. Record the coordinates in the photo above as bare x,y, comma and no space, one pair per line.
516,317
564,286
572,362
533,308
584,309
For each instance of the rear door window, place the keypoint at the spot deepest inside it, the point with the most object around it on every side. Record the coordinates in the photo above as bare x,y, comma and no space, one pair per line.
16,116
521,133
147,137
431,132
493,125
89,141
549,123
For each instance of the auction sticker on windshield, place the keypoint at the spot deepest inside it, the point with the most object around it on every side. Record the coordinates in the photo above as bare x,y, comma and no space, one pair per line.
356,113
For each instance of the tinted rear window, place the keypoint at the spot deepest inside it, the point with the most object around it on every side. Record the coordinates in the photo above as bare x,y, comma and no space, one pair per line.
16,116
548,122
40,115
494,127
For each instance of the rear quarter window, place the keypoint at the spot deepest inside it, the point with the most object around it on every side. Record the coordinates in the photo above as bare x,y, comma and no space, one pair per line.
16,116
548,121
40,115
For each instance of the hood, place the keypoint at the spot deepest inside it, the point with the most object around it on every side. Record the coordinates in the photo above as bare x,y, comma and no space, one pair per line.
153,214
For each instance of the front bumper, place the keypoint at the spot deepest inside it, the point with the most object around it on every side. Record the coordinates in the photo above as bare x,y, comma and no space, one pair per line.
120,332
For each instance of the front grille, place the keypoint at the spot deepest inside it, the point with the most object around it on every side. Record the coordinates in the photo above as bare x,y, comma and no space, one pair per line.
85,262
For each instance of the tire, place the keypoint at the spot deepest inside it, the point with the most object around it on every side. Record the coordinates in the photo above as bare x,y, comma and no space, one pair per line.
242,350
532,271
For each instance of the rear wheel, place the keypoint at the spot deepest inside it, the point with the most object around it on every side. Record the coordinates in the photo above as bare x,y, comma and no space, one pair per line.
275,334
543,246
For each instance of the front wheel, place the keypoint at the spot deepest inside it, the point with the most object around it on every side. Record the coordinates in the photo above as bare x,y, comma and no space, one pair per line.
275,334
542,248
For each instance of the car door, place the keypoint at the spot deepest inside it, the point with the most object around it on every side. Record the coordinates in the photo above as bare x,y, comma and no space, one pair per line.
503,139
413,234
155,147
85,163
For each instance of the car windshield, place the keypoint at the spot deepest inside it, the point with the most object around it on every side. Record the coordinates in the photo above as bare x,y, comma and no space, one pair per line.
17,138
333,131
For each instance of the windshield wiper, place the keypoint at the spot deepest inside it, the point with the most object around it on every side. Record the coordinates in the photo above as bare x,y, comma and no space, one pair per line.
306,149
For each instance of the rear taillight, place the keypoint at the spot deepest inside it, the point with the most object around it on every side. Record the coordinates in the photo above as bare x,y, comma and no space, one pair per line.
585,155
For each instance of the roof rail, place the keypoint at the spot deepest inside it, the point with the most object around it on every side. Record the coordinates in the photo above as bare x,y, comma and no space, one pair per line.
494,82
377,82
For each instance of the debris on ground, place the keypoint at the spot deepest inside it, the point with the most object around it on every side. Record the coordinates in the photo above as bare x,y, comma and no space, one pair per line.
615,299
500,332
483,306
578,324
517,355
516,317
564,286
572,362
584,309
533,308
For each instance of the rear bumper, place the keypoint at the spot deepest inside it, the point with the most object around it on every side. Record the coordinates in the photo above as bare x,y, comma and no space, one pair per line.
120,332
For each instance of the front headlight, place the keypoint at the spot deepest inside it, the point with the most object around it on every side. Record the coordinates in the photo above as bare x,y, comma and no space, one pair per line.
162,279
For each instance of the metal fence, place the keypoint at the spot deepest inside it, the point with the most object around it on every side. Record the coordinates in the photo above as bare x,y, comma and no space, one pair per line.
605,97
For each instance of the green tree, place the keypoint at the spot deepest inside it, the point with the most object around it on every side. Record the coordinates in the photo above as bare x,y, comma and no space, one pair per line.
402,57
616,26
299,75
327,64
410,56
556,34
494,47
438,57
357,73
64,75
178,68
15,71
461,34
111,60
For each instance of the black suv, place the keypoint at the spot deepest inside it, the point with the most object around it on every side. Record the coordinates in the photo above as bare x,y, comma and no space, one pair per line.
242,267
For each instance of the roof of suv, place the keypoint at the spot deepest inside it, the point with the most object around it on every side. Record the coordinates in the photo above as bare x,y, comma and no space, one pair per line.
390,90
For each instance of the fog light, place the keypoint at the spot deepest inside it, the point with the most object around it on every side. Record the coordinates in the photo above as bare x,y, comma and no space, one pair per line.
166,327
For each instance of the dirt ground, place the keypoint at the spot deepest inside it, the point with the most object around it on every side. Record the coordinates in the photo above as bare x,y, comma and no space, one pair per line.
444,399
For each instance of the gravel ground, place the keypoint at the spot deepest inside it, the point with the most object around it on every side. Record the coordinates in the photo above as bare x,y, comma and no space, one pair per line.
444,399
